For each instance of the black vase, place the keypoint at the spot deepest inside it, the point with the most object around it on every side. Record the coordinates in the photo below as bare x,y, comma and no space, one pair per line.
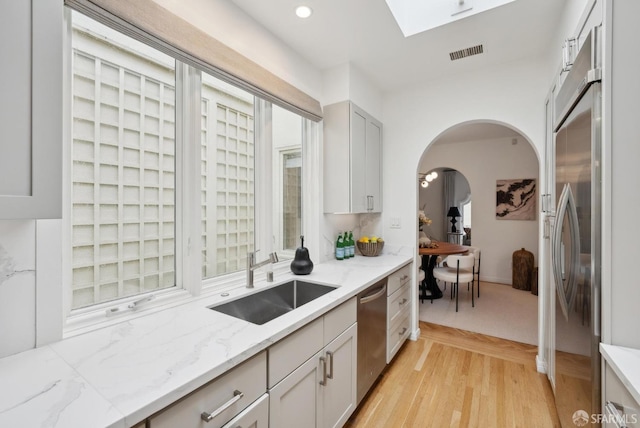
301,264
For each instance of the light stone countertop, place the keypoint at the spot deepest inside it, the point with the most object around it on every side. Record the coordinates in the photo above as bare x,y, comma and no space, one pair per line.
625,362
119,375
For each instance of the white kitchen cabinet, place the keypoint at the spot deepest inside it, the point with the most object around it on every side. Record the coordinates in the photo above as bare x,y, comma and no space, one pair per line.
621,127
295,400
398,309
320,392
254,416
352,168
620,408
31,110
224,399
339,390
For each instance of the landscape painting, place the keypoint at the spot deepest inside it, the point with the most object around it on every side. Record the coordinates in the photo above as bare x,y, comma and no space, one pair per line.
516,199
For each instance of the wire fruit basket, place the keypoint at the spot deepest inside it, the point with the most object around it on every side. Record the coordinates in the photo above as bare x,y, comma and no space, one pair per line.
370,249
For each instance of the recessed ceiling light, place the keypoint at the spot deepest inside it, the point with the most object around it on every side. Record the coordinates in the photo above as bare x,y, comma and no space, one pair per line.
304,11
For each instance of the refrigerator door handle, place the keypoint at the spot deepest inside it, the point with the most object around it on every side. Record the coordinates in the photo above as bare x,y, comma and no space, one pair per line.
566,206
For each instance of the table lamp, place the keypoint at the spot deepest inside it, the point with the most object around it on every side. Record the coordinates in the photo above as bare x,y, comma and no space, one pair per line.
453,213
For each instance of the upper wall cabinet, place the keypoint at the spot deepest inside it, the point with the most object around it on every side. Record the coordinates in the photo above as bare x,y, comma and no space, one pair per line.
31,110
352,146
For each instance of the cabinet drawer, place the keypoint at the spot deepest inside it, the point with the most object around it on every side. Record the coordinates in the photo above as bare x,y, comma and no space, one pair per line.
398,304
289,353
339,319
249,378
254,416
628,409
399,278
396,335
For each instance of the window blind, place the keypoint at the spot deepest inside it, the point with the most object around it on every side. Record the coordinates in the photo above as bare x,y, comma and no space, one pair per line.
156,26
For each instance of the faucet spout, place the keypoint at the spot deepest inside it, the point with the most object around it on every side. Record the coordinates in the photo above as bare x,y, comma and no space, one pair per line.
252,265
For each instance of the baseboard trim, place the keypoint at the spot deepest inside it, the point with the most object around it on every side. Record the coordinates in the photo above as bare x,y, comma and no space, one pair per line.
541,364
496,280
415,335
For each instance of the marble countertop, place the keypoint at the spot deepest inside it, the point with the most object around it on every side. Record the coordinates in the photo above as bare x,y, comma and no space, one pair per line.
625,362
119,375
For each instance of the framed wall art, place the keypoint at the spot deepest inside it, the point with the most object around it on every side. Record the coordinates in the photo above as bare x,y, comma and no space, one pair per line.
516,199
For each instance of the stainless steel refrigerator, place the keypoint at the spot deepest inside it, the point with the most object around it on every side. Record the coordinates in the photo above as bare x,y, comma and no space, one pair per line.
576,235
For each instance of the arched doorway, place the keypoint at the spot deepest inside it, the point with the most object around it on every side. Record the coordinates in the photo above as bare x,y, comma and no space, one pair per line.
485,154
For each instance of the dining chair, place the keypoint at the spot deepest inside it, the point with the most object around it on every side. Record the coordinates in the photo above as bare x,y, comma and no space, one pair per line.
459,269
476,266
421,284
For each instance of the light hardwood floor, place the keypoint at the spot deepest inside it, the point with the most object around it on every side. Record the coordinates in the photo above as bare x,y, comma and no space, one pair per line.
456,378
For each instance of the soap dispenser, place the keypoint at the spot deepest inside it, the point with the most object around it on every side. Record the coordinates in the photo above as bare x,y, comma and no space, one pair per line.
301,264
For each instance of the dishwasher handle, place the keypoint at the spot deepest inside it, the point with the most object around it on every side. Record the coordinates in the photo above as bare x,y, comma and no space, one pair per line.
374,295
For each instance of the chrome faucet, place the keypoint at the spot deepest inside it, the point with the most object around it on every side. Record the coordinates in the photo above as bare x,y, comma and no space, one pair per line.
252,265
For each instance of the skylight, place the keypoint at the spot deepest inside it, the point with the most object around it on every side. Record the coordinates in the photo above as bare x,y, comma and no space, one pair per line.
414,17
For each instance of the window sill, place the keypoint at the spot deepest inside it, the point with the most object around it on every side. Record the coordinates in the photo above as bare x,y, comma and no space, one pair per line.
93,318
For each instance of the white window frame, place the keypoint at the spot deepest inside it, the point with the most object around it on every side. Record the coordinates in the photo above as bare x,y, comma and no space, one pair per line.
188,255
277,173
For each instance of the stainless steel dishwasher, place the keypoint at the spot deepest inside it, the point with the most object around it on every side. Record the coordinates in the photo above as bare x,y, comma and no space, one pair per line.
372,335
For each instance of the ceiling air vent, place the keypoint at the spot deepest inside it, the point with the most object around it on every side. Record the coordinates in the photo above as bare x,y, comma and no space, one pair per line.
463,53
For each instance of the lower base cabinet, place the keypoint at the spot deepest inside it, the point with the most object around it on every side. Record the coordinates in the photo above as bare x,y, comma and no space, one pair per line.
254,416
224,399
398,309
620,408
322,391
308,380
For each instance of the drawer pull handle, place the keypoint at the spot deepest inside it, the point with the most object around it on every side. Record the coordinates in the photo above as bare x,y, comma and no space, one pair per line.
404,330
403,302
323,360
237,395
404,278
617,413
330,356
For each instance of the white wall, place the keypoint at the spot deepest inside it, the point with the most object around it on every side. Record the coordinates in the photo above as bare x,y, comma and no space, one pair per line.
347,82
229,24
510,94
482,163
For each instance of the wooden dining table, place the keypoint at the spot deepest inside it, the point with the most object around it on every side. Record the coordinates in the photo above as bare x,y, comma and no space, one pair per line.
429,260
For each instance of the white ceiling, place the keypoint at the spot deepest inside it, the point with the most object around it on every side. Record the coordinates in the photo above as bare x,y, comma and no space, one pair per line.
365,34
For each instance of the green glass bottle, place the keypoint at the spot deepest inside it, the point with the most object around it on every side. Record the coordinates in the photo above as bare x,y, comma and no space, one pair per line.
352,245
347,247
340,248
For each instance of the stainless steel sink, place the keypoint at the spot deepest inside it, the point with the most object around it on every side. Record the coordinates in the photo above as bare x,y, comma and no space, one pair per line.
266,305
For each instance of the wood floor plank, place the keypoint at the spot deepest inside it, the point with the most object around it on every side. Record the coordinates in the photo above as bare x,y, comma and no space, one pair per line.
451,377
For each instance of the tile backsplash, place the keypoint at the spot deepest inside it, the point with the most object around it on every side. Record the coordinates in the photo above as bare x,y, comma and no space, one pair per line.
359,224
17,286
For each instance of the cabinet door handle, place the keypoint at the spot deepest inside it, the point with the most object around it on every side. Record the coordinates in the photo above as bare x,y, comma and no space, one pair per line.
323,360
403,302
404,278
369,203
330,357
404,330
616,413
237,395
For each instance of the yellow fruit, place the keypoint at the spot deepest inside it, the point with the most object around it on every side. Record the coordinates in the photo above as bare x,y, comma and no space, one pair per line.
373,240
380,240
364,240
